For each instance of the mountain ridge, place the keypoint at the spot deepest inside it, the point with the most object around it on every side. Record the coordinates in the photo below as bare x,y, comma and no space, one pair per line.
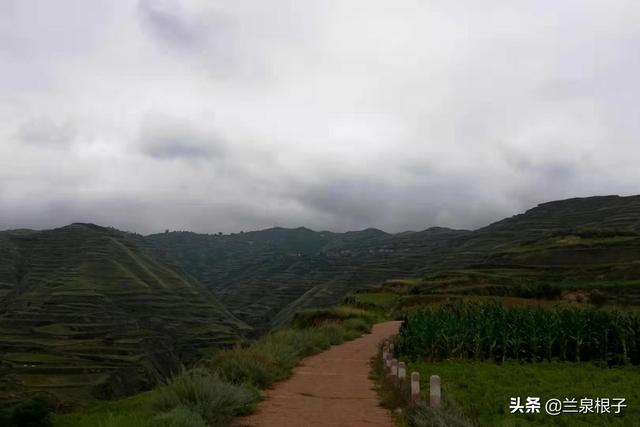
105,312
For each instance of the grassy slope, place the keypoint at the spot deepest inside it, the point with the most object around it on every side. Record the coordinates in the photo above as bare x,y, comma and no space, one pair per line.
264,276
88,315
256,364
76,299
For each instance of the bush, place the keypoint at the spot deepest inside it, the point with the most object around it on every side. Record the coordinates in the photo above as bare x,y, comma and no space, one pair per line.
240,366
316,317
33,413
206,395
333,332
284,348
358,325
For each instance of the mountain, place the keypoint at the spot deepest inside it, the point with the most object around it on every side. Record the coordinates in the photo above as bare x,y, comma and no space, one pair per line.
84,312
87,310
263,276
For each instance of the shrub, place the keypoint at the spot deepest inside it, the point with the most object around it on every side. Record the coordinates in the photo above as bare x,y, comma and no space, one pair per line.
333,332
358,325
284,348
206,395
33,413
316,317
239,366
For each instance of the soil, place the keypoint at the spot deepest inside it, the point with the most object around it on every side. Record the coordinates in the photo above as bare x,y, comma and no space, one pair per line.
329,389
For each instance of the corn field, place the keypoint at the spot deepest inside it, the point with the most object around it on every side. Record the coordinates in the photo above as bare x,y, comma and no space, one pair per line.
491,331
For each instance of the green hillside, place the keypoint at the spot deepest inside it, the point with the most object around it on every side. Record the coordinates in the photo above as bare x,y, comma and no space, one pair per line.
85,313
264,276
91,311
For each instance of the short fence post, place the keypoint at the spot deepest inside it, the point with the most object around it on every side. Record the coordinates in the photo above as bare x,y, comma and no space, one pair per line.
434,391
402,371
415,388
391,348
394,369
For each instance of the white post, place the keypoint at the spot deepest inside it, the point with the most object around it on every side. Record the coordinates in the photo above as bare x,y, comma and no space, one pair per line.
394,368
434,391
415,388
402,371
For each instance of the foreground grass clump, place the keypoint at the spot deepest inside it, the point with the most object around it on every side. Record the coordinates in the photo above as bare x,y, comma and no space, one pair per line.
497,332
481,392
203,398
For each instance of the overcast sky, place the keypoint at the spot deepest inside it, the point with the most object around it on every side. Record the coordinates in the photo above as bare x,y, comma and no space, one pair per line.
236,115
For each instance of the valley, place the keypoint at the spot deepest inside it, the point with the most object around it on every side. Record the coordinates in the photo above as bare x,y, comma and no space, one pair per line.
90,313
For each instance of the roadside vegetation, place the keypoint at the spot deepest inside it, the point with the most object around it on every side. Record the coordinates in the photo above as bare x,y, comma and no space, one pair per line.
491,331
228,383
488,348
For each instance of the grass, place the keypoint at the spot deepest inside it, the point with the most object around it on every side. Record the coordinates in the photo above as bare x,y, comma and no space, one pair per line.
315,317
226,384
135,409
482,390
205,398
477,392
374,300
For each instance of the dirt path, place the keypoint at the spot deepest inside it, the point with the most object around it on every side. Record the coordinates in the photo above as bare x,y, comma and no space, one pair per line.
329,389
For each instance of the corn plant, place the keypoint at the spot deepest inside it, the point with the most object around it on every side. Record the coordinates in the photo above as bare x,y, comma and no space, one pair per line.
492,331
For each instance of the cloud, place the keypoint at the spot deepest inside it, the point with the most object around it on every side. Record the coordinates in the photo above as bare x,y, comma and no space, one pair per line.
242,114
44,132
174,141
170,24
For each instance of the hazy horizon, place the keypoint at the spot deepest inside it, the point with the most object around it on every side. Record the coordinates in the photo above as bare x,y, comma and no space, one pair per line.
293,226
244,115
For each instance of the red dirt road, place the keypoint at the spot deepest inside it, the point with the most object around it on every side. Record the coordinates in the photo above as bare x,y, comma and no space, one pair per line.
330,389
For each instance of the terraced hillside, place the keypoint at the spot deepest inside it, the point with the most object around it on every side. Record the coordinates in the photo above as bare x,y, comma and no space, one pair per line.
262,277
84,313
90,311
